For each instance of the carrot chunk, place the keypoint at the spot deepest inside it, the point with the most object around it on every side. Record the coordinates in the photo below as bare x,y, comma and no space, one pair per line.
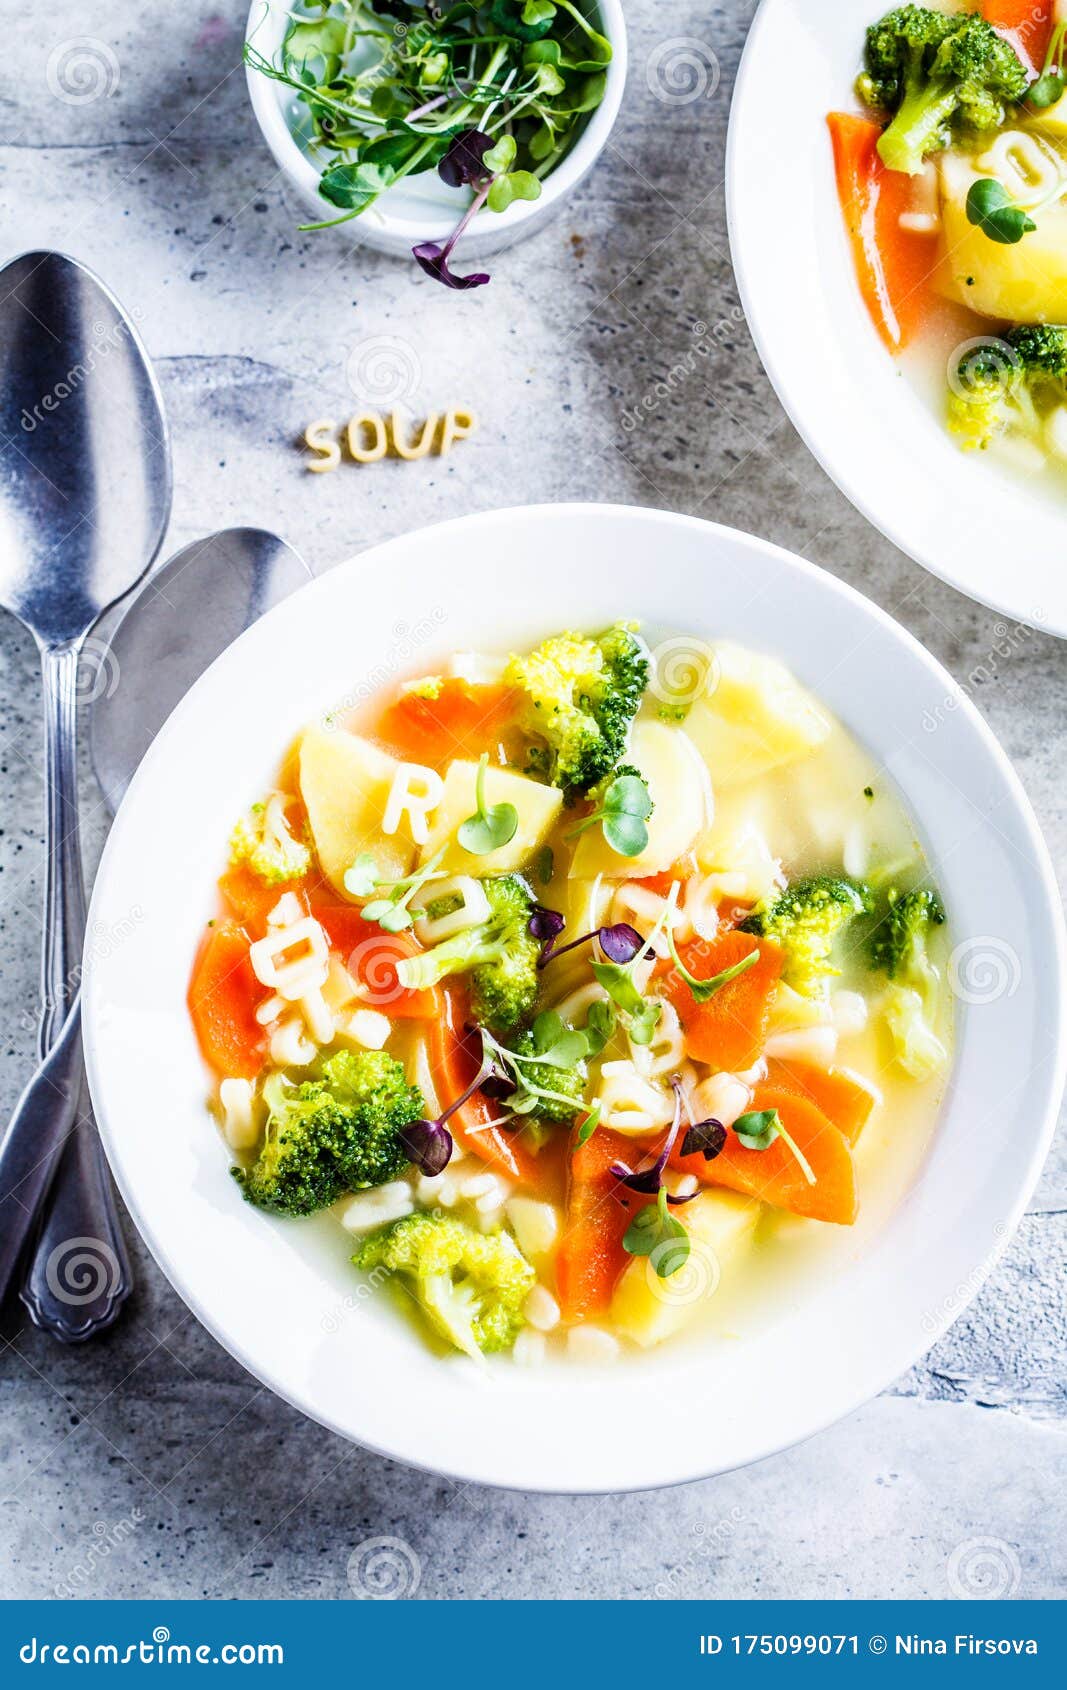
456,1055
894,266
844,1098
590,1256
774,1175
371,957
223,994
730,1029
463,720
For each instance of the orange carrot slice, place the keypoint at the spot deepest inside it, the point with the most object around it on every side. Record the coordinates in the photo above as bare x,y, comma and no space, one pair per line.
455,1055
462,721
590,1256
1027,24
845,1098
223,994
371,957
894,266
730,1029
774,1175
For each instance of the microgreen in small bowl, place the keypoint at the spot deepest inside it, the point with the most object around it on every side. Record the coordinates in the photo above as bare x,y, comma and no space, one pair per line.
361,101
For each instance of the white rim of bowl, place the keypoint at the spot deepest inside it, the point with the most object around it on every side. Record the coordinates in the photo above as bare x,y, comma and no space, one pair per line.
592,140
882,520
1047,1111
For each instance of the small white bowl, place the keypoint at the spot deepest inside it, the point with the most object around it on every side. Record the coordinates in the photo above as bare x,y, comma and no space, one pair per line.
423,208
282,1297
995,536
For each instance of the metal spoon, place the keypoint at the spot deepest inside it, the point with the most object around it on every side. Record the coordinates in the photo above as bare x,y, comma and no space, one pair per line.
184,615
85,490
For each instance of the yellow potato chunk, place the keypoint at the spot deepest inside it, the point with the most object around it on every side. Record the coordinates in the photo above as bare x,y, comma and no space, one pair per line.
678,784
1024,283
538,809
722,1225
344,782
756,718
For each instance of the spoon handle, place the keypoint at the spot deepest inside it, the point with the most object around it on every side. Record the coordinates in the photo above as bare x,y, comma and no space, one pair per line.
80,1224
35,1136
64,897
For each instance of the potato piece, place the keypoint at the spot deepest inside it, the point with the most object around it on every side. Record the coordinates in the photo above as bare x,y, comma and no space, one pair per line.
722,1225
344,782
681,792
1026,283
756,719
538,807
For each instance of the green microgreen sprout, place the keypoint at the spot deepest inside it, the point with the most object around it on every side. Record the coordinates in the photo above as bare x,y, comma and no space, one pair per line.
656,1233
1050,85
623,812
588,1126
702,990
991,208
492,826
391,911
758,1131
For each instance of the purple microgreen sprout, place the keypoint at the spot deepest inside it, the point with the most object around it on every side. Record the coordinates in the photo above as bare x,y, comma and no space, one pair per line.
429,1145
705,1138
545,926
475,161
758,1131
620,943
702,990
618,980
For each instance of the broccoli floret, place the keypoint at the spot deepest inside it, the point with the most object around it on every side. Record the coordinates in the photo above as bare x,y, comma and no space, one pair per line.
581,697
337,1133
499,954
899,948
262,840
471,1285
807,919
1003,384
567,1084
939,73
1042,350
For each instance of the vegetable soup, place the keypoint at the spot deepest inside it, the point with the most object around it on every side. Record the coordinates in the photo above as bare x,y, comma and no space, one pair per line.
582,990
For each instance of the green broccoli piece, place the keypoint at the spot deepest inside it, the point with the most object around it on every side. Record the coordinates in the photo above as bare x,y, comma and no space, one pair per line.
939,74
581,697
1003,385
337,1133
262,840
471,1285
500,955
807,920
899,948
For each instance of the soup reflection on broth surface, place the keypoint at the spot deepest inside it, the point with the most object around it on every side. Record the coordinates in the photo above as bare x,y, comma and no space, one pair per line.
585,997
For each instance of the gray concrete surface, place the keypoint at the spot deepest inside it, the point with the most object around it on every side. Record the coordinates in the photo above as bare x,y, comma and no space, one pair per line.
150,1463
